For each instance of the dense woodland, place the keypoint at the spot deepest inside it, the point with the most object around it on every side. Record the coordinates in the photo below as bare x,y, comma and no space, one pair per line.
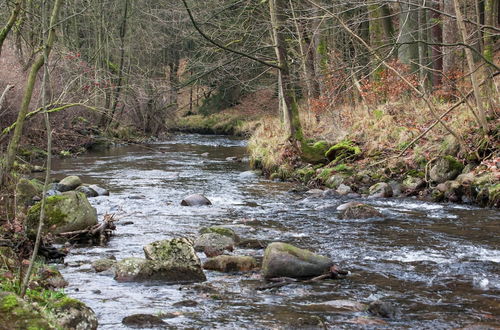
329,93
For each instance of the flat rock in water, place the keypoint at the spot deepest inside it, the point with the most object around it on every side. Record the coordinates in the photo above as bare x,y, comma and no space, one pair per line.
195,200
103,265
142,321
140,270
227,264
286,260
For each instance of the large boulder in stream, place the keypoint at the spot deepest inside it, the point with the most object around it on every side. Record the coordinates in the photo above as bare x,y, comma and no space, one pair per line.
140,270
172,261
67,212
286,260
195,200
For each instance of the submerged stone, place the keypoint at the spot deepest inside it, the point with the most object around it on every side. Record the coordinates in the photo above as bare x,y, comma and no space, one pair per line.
143,321
221,231
286,260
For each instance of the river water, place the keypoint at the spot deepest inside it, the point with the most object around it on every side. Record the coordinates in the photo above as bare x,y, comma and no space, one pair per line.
437,263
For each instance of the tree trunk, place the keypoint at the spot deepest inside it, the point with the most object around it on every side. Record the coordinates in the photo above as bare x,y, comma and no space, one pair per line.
450,36
10,23
481,112
437,53
123,32
423,47
292,123
30,84
408,35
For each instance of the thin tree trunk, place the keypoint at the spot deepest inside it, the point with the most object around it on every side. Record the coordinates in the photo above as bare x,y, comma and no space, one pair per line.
292,123
450,36
408,50
123,31
437,53
472,68
10,23
30,84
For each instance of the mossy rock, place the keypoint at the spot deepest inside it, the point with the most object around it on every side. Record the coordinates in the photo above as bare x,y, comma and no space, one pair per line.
445,168
221,231
315,154
286,260
176,251
140,270
74,314
15,313
450,146
343,150
63,213
26,190
494,195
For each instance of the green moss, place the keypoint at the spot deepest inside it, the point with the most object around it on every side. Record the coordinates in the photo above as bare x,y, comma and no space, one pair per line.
454,164
53,214
305,174
341,151
9,302
325,174
219,230
66,303
342,168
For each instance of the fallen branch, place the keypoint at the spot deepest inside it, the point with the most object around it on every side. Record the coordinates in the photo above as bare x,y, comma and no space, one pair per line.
99,233
279,282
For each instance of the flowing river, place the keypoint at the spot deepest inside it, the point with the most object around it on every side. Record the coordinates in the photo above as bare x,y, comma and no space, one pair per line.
437,263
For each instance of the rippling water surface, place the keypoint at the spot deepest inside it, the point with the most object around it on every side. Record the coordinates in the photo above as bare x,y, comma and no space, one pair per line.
438,263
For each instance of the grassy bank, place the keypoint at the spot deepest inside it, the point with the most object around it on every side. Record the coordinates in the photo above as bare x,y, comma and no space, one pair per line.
385,145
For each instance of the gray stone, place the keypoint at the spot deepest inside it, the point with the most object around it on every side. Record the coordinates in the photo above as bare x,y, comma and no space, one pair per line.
221,231
383,309
444,169
103,265
100,191
69,183
195,200
89,192
213,241
356,210
380,190
343,189
285,260
410,184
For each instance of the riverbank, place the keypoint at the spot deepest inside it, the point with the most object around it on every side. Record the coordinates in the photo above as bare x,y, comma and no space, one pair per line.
387,153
